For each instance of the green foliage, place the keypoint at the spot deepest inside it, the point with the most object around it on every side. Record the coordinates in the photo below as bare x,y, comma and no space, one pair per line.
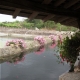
10,24
65,28
62,28
27,25
70,47
39,24
49,24
33,23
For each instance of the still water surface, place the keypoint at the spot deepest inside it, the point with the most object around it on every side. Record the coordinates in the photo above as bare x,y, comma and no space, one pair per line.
35,67
3,41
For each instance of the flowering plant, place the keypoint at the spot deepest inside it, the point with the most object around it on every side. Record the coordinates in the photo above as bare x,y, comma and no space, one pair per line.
69,48
40,40
16,42
54,39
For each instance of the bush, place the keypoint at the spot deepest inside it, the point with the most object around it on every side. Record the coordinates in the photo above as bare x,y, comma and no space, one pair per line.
69,49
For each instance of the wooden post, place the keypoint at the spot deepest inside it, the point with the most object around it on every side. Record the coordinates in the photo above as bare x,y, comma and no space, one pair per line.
15,14
69,4
33,15
48,17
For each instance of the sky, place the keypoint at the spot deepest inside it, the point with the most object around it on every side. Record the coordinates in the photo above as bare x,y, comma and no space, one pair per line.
9,18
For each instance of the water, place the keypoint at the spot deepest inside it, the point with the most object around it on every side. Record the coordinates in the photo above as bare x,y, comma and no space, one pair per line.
35,66
3,41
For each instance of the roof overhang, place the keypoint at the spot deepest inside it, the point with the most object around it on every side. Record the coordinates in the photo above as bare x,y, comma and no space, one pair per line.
67,12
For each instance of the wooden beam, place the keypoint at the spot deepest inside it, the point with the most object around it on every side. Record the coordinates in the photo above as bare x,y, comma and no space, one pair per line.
69,20
6,12
41,8
73,23
62,19
48,17
22,14
76,7
33,15
71,3
15,14
76,26
58,2
46,1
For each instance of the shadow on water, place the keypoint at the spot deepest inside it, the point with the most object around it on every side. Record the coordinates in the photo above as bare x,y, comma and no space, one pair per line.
42,65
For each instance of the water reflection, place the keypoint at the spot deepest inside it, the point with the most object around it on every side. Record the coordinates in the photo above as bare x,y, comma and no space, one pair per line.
53,45
17,59
33,67
40,50
3,41
21,57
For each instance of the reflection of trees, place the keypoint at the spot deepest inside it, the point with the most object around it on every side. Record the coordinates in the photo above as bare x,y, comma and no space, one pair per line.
40,50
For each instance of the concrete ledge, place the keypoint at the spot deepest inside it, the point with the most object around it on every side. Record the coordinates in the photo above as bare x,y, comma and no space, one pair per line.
70,76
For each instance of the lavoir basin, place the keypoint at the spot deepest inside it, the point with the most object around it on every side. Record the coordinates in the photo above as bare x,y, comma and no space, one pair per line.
33,66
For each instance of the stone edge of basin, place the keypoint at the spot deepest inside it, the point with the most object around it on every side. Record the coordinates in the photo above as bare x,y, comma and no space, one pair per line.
70,76
31,47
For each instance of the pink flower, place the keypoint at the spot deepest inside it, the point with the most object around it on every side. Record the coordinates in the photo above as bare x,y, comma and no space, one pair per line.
36,38
40,40
7,44
16,42
23,45
60,38
53,37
